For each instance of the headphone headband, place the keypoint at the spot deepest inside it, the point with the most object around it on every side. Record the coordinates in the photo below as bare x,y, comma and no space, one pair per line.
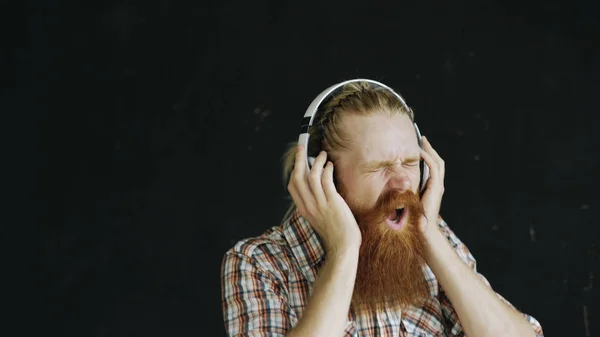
311,112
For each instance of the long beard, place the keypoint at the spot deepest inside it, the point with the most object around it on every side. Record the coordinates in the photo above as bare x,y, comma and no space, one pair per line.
390,266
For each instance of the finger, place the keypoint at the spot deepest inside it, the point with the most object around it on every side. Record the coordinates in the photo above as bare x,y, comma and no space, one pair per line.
299,164
327,181
429,148
314,179
433,167
440,162
297,199
299,180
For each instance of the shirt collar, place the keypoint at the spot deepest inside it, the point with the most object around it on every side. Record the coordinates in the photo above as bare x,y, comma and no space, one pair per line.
305,243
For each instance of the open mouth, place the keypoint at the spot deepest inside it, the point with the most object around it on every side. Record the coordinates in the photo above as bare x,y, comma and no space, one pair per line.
397,218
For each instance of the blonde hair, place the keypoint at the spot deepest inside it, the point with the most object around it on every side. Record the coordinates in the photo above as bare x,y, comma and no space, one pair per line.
355,98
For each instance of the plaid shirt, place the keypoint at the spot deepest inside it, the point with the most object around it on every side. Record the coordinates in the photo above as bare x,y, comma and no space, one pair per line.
267,281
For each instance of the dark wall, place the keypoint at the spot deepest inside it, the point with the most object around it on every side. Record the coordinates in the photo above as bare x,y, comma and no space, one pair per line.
162,125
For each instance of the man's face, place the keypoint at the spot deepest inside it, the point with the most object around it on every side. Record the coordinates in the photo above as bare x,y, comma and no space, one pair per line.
382,155
378,176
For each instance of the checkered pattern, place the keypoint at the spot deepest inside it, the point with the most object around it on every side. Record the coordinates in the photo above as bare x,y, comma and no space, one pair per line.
267,281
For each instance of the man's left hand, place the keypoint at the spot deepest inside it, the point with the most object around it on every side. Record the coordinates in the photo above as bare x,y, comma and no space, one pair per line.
432,197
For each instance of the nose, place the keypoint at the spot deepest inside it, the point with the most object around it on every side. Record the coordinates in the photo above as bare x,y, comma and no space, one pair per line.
399,180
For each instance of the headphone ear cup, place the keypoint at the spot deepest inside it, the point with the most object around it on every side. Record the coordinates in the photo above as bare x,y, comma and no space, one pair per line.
424,168
311,161
424,176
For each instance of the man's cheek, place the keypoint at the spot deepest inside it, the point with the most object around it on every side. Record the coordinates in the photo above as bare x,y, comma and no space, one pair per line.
416,179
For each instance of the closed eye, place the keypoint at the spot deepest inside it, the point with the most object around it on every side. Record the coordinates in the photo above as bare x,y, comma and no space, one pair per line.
389,165
411,162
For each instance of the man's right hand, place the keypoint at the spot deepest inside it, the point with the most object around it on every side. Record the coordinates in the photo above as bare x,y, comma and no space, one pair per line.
319,202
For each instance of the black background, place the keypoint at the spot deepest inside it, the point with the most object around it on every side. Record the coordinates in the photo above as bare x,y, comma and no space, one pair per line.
161,126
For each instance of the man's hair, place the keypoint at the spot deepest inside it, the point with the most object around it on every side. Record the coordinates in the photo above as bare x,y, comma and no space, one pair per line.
356,98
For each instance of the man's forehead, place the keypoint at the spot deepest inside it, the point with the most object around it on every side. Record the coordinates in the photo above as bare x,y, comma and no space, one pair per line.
386,140
389,151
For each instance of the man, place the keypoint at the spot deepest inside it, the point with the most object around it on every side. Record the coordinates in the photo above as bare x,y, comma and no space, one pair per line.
363,250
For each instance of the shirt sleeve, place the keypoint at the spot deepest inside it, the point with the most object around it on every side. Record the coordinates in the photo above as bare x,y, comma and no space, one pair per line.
452,321
254,304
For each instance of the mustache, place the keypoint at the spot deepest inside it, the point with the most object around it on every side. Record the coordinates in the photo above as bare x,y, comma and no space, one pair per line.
388,202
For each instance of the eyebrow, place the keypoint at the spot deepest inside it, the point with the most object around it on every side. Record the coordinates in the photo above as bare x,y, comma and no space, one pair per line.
377,164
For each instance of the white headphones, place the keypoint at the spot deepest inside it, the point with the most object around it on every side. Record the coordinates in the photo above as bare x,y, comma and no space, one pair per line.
312,111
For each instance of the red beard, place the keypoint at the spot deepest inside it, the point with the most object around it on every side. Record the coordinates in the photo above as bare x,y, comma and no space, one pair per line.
390,266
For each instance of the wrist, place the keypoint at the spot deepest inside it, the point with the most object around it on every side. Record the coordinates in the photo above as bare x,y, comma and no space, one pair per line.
435,242
344,245
347,252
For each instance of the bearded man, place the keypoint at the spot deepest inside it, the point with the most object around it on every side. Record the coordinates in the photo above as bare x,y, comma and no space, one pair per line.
362,250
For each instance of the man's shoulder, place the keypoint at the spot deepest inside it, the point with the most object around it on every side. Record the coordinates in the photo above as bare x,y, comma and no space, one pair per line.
268,250
250,246
448,232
